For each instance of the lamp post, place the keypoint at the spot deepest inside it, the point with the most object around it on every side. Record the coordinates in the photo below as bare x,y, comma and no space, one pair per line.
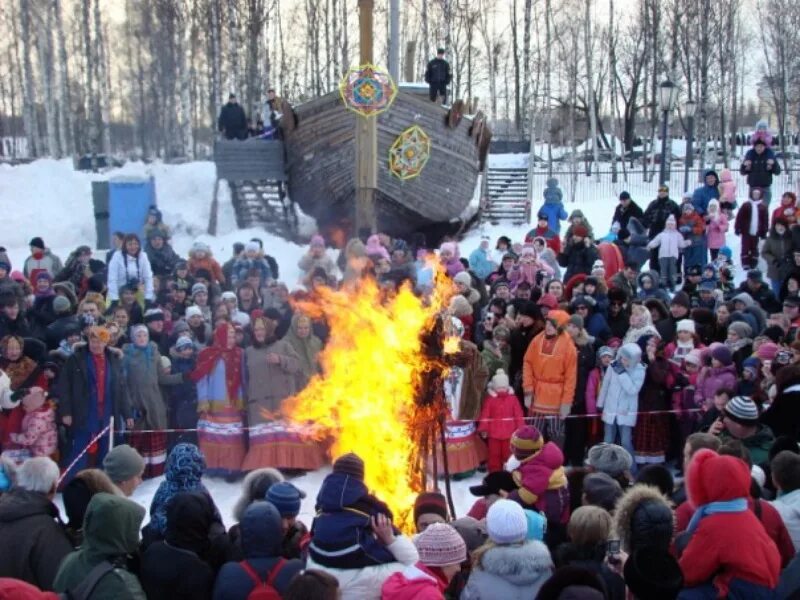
688,110
666,100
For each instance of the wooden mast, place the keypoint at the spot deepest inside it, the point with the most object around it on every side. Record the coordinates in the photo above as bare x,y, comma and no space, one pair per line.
366,137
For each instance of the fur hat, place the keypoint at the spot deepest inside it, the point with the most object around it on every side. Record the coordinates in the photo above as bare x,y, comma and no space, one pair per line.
644,518
440,545
506,522
499,381
653,573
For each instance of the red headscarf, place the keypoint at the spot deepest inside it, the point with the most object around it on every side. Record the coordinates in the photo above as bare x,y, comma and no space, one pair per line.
208,358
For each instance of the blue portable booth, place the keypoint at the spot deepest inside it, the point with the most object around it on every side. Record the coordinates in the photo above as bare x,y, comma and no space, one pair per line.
121,204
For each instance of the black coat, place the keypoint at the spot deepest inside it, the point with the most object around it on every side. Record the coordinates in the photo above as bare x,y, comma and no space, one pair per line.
73,386
623,214
438,71
578,258
232,121
34,539
162,261
759,174
655,217
57,330
518,344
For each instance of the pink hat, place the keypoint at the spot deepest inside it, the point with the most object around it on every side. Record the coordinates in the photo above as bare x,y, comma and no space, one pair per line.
767,351
440,545
549,301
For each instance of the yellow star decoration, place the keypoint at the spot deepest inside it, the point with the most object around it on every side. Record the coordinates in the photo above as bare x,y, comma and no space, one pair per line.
409,153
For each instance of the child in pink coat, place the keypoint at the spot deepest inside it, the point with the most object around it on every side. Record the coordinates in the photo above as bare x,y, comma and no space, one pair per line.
727,193
38,436
501,415
605,355
716,228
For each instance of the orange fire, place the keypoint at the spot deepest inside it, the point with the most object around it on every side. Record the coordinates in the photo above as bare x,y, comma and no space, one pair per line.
365,401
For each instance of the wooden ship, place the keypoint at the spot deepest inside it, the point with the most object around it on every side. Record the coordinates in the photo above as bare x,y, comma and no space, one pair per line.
321,154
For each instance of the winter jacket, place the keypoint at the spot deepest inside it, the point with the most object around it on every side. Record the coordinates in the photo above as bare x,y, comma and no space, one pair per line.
501,415
669,242
777,251
209,264
757,444
124,269
760,173
438,71
727,188
713,379
745,215
542,482
244,265
162,260
623,214
619,393
415,582
764,297
705,193
788,506
110,533
553,207
788,212
232,121
38,433
73,388
578,258
261,538
643,518
34,539
512,571
480,261
549,236
655,217
492,360
46,261
716,228
552,376
143,379
267,385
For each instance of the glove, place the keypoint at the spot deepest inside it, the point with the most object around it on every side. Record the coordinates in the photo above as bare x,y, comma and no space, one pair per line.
19,394
528,398
565,410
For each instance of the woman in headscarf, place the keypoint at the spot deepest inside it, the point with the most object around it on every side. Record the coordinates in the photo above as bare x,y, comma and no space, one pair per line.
143,372
22,372
270,375
307,346
220,404
641,324
651,434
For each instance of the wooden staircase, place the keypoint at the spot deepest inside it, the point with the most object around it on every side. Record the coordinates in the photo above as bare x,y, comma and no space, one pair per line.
507,196
263,203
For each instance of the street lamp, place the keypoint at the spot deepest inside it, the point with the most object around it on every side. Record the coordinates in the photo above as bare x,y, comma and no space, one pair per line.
667,93
688,109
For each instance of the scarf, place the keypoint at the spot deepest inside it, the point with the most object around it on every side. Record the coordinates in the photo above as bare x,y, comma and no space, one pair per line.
738,344
182,473
307,349
736,505
232,357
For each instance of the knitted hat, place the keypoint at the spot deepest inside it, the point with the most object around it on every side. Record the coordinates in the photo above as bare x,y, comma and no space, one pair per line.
529,309
741,329
767,351
726,252
440,545
122,463
430,502
463,278
774,332
61,305
199,287
580,231
549,301
153,314
499,381
286,498
609,458
350,464
472,531
742,410
537,525
252,246
751,365
184,342
605,351
600,489
192,311
723,355
506,522
317,241
37,242
653,573
681,299
526,441
576,320
685,325
755,275
228,295
180,327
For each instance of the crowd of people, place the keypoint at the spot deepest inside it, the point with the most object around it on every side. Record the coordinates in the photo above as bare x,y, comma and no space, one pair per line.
637,426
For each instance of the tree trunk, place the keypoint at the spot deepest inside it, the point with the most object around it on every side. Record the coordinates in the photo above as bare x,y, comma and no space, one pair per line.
590,100
29,87
103,100
63,100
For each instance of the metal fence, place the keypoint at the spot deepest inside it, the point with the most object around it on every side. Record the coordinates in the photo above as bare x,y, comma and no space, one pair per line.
599,184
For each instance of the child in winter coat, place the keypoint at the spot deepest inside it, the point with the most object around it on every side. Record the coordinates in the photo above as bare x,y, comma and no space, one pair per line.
729,553
605,355
692,227
253,260
183,397
669,242
716,228
200,257
540,475
38,436
501,415
727,193
619,395
450,257
752,223
553,207
787,209
316,258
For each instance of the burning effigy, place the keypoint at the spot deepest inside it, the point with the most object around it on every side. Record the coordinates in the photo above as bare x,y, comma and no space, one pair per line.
379,392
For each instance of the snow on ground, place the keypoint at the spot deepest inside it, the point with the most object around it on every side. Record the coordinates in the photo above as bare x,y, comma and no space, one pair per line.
50,199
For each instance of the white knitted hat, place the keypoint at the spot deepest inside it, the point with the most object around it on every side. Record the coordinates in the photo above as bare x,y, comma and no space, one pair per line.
506,522
686,325
500,380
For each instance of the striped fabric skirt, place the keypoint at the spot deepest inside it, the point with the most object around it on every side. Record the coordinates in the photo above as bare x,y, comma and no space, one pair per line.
282,446
153,448
465,450
221,438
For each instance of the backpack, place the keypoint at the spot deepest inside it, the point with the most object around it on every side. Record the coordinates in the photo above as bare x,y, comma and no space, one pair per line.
84,590
263,589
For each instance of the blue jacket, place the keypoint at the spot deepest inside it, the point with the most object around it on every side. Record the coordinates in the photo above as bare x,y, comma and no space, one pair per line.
553,207
341,535
705,194
243,265
480,263
262,536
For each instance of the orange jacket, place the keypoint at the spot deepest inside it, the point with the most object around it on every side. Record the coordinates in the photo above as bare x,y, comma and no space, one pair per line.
551,377
209,264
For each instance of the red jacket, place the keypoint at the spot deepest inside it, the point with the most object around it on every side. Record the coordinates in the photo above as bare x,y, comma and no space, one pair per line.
415,582
742,223
501,415
787,212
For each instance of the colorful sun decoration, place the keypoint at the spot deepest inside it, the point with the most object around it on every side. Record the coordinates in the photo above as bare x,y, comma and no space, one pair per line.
409,153
367,90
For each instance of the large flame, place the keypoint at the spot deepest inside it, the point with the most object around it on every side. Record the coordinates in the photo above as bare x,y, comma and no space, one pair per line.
374,364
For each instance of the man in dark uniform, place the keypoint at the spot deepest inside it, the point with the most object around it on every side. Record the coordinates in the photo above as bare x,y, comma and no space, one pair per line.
232,122
438,76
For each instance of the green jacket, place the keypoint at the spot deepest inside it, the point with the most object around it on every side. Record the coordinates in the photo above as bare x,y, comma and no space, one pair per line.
758,444
111,532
